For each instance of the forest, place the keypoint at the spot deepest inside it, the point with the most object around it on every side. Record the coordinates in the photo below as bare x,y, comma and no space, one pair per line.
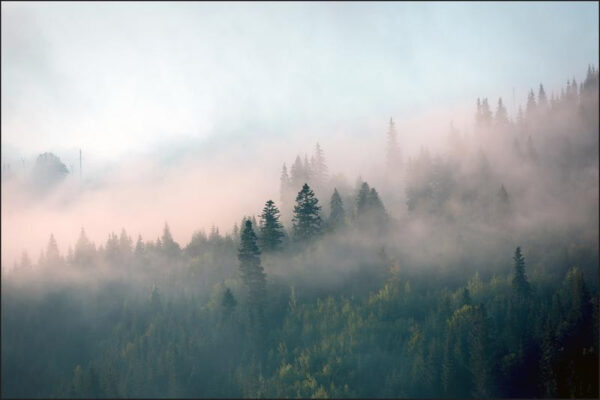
471,272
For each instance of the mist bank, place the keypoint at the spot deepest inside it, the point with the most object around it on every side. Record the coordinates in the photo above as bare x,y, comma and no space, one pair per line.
450,193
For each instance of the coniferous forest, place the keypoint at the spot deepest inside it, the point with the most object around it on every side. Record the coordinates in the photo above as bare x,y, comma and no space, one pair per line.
470,272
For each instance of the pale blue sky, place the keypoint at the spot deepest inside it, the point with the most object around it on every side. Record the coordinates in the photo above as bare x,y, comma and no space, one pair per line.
117,77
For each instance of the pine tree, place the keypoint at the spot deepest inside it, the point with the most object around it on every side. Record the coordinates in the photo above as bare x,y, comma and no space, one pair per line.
503,201
271,230
486,113
337,216
307,218
362,199
252,273
52,253
393,155
297,175
228,302
519,283
531,105
84,250
125,243
169,246
478,119
501,114
308,172
139,246
319,167
542,99
284,185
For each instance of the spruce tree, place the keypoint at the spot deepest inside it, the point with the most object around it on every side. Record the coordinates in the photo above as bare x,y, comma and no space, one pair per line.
542,99
393,155
284,186
501,114
297,173
169,246
307,218
228,302
531,105
486,113
318,167
337,216
271,230
519,282
362,199
252,273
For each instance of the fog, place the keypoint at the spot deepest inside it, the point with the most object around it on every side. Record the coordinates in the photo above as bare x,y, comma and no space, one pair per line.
435,200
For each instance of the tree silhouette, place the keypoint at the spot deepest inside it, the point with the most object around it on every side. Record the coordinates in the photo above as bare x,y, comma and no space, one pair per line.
307,218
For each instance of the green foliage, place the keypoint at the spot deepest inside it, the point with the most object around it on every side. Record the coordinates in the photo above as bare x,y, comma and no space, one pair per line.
307,215
337,216
519,282
271,230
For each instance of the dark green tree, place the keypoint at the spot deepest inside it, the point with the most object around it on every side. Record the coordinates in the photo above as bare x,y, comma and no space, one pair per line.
271,230
307,215
228,302
337,215
362,199
252,273
519,282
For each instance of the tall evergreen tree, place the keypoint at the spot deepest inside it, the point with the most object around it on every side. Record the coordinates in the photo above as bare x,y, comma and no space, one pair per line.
251,271
307,218
84,250
52,253
531,105
501,114
284,185
542,99
362,199
169,246
271,230
319,166
297,175
337,215
486,113
519,281
393,155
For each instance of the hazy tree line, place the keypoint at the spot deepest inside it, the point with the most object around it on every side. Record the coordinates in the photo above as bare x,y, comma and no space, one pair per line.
224,316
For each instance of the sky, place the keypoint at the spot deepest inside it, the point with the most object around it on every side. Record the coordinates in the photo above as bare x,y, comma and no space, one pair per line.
123,78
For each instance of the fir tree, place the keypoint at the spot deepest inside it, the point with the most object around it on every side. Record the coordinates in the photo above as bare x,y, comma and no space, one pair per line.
393,155
52,253
271,230
169,246
284,186
297,175
337,216
501,114
307,218
542,99
228,302
251,271
519,282
531,105
362,199
486,113
318,167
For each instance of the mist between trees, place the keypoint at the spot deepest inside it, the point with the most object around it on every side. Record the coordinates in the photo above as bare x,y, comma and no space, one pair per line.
466,273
